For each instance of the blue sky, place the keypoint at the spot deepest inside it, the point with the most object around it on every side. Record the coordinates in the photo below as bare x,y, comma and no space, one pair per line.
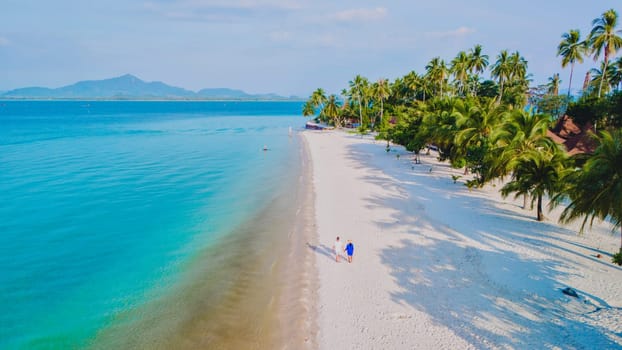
287,47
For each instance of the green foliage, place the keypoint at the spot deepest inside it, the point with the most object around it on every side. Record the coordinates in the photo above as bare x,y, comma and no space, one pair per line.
615,110
455,177
482,125
488,88
587,110
617,258
553,105
535,173
471,184
595,190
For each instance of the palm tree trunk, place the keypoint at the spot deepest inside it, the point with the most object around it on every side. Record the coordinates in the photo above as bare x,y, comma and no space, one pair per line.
501,91
570,83
540,214
360,112
525,201
443,78
602,78
381,110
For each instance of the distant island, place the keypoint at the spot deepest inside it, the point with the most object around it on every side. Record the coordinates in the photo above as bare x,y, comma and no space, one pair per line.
129,87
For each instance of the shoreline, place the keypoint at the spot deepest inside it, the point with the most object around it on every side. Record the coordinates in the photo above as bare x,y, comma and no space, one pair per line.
439,266
300,281
238,293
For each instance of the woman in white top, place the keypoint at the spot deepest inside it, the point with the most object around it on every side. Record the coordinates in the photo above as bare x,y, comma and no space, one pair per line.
338,247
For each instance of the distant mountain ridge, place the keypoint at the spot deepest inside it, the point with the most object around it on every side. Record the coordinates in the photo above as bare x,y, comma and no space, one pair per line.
130,87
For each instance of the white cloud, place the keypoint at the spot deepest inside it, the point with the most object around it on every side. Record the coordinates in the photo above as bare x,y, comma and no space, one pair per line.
4,41
455,33
362,14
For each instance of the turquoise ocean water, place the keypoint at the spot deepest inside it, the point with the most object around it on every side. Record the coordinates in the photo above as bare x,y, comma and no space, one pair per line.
104,203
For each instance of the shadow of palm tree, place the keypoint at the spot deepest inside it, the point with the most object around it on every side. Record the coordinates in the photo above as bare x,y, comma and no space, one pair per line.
494,279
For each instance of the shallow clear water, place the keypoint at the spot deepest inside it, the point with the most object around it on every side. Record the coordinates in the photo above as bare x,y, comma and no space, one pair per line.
104,203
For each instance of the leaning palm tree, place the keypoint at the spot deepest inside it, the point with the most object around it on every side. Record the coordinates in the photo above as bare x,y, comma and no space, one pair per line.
601,78
595,190
536,173
318,100
331,110
604,39
308,109
315,102
501,70
571,48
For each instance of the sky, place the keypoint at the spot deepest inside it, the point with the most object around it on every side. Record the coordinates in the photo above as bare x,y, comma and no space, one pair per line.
289,47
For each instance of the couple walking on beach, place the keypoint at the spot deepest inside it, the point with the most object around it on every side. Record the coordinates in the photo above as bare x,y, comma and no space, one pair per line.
338,247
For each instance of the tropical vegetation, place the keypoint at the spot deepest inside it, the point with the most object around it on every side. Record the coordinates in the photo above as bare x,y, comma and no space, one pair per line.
497,126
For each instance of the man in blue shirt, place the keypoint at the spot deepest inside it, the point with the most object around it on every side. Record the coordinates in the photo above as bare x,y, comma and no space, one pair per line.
350,250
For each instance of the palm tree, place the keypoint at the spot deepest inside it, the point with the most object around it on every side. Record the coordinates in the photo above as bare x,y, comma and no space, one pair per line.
518,66
437,71
316,101
553,85
412,80
501,70
518,81
308,109
615,74
475,122
571,48
381,91
521,131
460,68
477,63
595,190
439,124
603,39
426,86
357,89
600,77
536,173
331,110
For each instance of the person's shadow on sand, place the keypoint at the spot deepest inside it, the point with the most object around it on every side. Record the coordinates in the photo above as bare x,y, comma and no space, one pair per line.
323,250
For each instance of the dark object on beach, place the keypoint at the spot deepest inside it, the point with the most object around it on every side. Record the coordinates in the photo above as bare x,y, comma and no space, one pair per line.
599,256
570,291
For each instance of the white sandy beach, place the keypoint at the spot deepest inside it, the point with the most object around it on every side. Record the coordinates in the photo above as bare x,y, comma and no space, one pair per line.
439,267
